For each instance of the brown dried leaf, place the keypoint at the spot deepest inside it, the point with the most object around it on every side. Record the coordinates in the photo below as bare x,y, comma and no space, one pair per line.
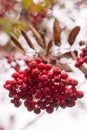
81,43
64,66
27,39
37,36
49,46
16,42
73,34
67,55
57,32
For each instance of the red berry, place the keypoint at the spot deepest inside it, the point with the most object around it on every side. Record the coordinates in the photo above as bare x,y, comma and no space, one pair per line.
57,79
35,72
33,64
77,64
80,94
38,60
64,75
68,93
74,82
85,58
56,71
15,75
69,81
49,109
48,67
7,86
41,66
71,103
63,104
46,90
30,108
50,75
44,78
17,103
37,110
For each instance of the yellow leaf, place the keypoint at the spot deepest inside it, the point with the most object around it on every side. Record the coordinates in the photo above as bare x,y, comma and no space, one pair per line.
39,8
9,25
27,3
49,2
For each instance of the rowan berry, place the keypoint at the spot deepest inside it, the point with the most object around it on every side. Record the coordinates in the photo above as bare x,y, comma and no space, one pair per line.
7,86
38,60
74,82
33,64
84,50
37,110
68,93
41,66
42,87
35,72
15,75
48,67
80,94
50,75
63,104
44,78
81,60
57,79
71,103
77,64
49,109
64,75
30,108
56,71
46,90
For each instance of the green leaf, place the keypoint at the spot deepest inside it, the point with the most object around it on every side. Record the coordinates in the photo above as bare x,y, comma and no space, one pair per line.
11,25
38,7
49,2
26,3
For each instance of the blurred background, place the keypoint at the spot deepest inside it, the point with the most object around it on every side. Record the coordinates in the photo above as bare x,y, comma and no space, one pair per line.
15,15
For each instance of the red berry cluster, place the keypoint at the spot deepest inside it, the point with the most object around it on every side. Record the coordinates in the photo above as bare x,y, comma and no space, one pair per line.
41,87
82,58
4,7
11,59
